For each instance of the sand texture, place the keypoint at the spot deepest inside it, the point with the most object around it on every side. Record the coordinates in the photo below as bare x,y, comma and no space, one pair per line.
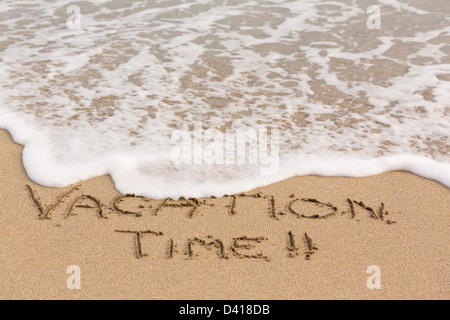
302,238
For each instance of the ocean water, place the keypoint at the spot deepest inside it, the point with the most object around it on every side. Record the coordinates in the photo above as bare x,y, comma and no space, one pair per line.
106,98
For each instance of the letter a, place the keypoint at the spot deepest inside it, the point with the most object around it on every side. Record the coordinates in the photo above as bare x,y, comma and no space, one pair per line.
74,281
374,20
374,281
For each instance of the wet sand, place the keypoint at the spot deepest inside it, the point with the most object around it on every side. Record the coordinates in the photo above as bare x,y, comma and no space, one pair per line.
302,238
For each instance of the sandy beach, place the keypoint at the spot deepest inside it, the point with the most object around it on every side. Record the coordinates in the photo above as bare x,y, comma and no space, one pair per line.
303,238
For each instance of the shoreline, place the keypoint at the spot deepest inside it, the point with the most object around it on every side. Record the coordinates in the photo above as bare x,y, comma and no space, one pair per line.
305,237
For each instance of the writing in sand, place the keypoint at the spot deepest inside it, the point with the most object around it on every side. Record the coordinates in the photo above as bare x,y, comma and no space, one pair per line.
70,203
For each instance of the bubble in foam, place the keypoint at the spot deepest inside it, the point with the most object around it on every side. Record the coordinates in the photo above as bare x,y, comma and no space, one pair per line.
105,99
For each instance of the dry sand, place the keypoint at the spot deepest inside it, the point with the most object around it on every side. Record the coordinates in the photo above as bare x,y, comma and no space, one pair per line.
312,250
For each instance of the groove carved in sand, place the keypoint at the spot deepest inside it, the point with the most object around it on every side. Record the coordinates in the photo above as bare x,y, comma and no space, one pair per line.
243,247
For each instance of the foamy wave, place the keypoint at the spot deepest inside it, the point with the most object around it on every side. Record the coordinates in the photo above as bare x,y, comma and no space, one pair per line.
105,99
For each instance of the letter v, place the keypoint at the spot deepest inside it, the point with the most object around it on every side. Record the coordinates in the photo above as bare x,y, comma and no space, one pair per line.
44,212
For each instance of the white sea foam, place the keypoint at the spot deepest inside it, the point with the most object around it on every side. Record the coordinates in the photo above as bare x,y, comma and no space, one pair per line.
105,99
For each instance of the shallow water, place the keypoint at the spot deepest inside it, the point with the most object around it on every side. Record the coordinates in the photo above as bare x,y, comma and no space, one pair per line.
106,98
